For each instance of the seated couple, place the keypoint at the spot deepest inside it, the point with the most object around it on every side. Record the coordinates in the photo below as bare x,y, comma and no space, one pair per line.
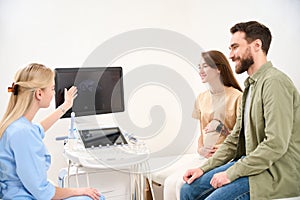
216,109
259,158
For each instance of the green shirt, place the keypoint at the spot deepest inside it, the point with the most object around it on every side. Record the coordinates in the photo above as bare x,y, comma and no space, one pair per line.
270,143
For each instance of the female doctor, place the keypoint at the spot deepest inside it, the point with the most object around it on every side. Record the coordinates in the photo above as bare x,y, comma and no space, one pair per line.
24,159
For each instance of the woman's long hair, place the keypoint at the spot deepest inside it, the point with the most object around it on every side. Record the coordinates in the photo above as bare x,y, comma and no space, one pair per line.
216,59
27,80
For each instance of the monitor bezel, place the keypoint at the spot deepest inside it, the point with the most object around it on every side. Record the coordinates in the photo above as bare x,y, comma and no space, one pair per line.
59,71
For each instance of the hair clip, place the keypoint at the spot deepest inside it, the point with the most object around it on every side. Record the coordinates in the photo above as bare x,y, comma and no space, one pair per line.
14,89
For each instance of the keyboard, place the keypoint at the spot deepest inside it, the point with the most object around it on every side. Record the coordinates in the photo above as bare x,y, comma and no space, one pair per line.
114,156
118,156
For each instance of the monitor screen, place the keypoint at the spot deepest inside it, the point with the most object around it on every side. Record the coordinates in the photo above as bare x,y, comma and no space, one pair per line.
100,89
102,137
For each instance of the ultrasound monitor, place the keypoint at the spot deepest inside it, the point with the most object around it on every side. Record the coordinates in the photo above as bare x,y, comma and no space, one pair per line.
100,89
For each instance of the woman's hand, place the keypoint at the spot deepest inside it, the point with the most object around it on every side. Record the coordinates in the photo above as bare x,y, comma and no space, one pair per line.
207,152
91,192
70,95
63,193
211,126
216,125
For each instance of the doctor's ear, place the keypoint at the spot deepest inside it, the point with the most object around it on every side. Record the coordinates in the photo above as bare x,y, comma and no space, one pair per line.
38,94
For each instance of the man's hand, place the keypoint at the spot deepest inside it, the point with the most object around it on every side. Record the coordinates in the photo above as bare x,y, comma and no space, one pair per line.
192,174
219,179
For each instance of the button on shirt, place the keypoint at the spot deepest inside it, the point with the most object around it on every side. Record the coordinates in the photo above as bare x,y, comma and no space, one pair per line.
24,161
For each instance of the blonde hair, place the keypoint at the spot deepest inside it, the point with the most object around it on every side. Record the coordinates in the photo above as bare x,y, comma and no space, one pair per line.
27,80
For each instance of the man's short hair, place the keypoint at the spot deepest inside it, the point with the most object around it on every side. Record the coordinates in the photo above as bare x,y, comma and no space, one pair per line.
254,30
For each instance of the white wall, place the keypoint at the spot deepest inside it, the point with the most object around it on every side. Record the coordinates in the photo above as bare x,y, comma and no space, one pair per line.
63,33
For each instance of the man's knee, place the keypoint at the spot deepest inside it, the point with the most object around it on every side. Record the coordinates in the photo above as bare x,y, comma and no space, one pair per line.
185,191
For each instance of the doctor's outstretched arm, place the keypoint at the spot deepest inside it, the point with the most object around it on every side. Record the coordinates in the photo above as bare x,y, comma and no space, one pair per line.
70,95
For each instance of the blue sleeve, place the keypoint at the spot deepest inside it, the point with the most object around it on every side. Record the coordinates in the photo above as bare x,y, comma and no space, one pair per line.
32,161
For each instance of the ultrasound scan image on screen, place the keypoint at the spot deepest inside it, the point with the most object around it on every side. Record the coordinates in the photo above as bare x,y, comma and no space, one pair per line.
100,89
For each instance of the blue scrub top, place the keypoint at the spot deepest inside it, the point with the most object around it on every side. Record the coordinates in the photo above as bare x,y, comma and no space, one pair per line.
24,161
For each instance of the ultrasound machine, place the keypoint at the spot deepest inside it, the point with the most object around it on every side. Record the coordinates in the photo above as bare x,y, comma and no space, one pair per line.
100,91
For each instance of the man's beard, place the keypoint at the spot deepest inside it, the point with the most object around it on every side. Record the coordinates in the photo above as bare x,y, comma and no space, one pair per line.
244,64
